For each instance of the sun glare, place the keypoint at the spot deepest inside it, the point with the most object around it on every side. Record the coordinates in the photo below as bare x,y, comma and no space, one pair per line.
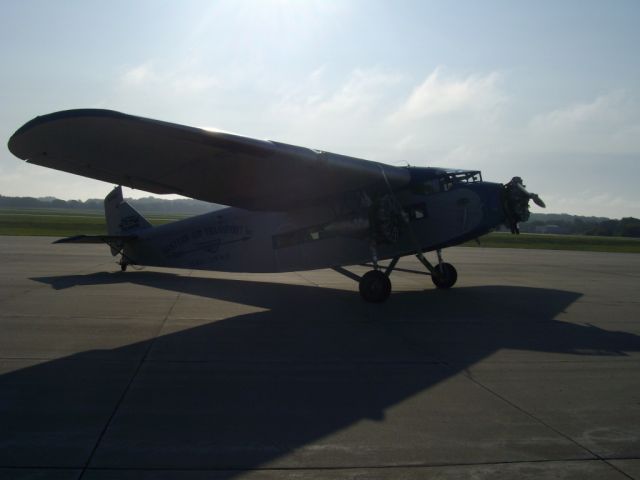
265,24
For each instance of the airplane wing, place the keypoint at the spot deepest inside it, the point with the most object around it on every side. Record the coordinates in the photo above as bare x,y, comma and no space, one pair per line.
162,157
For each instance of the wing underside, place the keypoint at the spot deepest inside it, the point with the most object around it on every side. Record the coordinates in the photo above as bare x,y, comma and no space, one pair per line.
217,167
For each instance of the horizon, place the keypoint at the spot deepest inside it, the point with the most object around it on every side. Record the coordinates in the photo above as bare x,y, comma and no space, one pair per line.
179,197
548,92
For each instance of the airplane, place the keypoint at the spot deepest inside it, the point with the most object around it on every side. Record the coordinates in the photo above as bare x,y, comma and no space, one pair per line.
290,208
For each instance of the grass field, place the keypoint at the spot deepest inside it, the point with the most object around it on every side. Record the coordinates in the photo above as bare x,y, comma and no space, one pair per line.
587,243
63,223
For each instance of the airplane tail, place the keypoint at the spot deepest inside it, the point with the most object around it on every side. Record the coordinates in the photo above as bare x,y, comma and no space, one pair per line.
122,219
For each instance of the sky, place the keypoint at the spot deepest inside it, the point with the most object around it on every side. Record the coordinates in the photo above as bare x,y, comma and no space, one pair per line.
545,90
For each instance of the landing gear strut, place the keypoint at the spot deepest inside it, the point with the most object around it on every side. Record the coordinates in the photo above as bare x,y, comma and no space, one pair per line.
375,286
124,261
117,248
386,217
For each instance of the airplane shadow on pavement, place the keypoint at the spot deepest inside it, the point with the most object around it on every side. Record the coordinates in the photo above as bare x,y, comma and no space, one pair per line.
282,387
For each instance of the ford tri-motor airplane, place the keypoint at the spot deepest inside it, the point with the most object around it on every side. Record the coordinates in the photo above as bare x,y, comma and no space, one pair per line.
291,208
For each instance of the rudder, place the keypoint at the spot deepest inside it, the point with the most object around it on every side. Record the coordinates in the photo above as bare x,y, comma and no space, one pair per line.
122,218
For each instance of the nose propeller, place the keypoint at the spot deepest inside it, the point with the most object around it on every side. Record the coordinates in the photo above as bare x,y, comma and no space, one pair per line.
516,203
517,183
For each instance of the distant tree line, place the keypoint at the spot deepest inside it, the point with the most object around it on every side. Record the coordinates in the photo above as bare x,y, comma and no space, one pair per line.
578,225
147,205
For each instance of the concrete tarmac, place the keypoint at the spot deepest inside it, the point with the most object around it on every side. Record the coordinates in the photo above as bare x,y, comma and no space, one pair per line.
528,368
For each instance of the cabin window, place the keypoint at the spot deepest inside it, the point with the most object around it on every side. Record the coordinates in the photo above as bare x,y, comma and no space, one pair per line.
289,239
417,211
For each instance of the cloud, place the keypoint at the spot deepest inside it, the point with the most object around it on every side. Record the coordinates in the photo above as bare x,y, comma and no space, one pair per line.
139,75
604,110
464,155
609,123
363,91
184,79
440,94
342,113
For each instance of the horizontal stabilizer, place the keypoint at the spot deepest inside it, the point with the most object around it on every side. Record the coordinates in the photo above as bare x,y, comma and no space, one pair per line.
108,239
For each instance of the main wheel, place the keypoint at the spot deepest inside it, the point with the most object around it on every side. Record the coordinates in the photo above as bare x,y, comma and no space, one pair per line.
375,286
446,276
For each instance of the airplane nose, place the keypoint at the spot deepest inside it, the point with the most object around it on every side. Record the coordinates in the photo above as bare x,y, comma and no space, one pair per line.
516,203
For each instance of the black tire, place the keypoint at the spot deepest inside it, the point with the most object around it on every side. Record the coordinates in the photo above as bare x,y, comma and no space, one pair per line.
123,267
446,276
375,286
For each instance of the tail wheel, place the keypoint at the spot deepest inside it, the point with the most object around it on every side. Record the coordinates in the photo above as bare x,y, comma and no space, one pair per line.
375,286
445,277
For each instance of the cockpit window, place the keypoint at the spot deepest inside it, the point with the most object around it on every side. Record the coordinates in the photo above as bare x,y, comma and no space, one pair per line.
464,176
427,180
448,179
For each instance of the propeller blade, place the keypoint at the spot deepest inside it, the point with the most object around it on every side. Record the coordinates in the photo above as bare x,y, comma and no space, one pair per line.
522,189
537,200
533,196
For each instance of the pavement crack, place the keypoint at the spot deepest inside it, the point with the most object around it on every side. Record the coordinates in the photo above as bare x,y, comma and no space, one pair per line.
311,468
596,456
130,383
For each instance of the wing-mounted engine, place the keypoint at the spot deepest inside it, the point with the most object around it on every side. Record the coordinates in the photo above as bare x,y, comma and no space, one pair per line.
516,203
358,216
380,220
354,215
385,220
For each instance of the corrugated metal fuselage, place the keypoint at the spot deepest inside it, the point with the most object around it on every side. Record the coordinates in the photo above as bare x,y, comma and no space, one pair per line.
236,240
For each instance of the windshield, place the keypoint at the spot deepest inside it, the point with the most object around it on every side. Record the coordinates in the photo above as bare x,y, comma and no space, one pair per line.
451,177
432,180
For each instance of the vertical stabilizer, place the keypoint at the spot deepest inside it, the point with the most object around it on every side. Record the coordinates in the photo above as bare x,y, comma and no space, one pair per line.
122,218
